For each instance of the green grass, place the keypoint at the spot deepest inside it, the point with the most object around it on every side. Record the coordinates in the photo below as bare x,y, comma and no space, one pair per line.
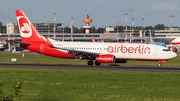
81,85
88,85
42,59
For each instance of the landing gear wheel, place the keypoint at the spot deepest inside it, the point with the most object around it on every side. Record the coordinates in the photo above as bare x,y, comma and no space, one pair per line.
97,63
90,63
159,64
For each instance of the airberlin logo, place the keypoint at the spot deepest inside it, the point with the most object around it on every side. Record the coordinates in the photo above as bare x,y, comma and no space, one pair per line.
123,49
25,28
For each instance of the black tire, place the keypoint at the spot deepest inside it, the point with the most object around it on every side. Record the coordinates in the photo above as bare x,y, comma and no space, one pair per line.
90,63
97,63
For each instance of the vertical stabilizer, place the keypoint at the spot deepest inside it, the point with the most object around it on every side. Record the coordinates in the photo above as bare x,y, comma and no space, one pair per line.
150,36
27,31
93,40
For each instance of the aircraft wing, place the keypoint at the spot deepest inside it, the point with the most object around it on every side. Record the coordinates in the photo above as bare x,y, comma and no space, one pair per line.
81,54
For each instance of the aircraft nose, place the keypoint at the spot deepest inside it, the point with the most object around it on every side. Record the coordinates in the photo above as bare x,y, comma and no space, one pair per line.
173,54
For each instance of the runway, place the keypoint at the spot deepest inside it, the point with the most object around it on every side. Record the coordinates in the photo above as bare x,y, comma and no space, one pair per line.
86,67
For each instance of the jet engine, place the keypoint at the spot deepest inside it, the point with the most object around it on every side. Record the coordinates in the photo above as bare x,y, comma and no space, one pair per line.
106,59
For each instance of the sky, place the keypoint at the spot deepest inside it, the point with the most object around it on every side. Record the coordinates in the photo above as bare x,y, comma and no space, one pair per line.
103,13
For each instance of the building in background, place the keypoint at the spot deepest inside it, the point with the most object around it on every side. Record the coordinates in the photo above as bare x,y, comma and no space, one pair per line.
44,27
167,33
10,28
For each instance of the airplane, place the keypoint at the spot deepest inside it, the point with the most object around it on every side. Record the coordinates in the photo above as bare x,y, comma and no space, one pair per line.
100,52
156,43
176,41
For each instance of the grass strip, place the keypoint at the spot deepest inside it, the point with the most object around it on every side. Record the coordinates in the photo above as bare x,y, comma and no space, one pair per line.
42,59
81,85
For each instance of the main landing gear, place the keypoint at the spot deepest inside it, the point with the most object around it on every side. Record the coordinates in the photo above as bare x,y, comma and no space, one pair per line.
97,63
90,63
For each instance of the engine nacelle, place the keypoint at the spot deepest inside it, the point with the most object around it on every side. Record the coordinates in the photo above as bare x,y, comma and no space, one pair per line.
106,59
120,61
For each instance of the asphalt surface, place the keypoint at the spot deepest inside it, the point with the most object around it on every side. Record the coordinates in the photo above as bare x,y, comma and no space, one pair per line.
86,67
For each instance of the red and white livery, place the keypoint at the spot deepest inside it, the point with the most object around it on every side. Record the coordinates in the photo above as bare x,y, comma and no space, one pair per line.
176,41
100,52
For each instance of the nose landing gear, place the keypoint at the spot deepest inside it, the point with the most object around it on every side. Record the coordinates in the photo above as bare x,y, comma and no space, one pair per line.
161,61
159,64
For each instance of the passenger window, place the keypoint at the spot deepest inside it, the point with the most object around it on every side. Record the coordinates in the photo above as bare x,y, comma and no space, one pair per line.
166,49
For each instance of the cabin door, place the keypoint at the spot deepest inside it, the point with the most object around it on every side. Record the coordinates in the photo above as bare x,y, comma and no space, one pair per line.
155,51
42,48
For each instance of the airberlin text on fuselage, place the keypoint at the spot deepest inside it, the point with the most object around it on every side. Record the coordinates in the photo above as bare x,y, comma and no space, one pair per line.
123,49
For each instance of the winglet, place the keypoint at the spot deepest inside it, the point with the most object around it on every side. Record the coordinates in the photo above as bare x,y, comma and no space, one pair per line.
48,42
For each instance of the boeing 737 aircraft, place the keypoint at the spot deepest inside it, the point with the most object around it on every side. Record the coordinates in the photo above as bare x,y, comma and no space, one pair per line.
100,52
156,43
176,41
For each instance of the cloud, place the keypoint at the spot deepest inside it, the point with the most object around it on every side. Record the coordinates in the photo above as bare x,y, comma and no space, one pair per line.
164,6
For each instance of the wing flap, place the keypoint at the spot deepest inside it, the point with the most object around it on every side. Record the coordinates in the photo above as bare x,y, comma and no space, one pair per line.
79,53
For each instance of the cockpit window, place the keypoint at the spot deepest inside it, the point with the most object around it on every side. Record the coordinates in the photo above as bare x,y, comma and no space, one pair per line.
166,49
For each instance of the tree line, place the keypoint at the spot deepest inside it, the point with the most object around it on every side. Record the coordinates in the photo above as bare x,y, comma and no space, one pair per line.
101,30
2,28
121,28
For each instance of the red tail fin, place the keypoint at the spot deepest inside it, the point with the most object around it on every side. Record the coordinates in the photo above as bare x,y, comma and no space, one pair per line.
27,31
93,40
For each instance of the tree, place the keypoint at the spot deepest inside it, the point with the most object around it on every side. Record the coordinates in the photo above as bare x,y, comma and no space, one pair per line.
1,25
148,27
137,28
121,28
159,27
93,30
76,30
82,30
2,28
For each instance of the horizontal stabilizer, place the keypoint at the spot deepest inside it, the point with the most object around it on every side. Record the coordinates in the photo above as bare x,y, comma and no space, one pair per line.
19,42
